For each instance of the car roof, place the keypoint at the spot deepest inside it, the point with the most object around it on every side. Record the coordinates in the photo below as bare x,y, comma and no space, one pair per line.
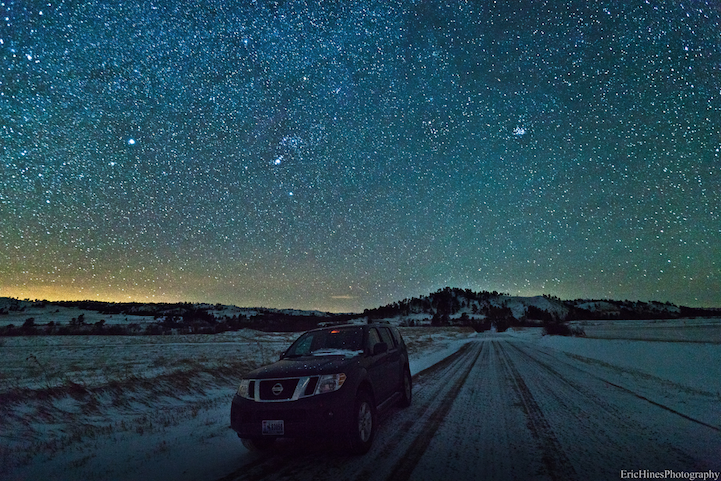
345,326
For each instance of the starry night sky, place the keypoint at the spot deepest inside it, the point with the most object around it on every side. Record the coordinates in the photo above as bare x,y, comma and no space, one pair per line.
342,155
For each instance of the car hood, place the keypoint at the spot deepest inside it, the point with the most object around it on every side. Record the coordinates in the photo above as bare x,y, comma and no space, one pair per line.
304,366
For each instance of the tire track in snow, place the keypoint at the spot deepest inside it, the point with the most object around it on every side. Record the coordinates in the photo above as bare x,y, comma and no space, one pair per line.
422,401
625,389
600,427
715,428
553,455
409,459
486,434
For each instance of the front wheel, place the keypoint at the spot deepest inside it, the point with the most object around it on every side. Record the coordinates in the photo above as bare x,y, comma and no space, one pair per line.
363,424
406,390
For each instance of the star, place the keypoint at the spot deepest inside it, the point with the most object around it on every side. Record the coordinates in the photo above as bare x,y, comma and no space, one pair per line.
271,152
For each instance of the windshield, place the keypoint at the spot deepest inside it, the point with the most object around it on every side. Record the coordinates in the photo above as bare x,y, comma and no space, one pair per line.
342,341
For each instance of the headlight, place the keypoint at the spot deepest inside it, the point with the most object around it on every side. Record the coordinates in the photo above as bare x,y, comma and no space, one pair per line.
243,390
330,383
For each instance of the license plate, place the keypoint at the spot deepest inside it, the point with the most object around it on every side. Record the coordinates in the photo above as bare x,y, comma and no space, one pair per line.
274,428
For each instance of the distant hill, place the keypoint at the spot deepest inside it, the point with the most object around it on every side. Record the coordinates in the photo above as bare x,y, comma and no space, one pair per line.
25,317
448,306
453,306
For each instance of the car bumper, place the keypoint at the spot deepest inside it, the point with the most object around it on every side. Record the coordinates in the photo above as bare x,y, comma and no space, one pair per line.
315,416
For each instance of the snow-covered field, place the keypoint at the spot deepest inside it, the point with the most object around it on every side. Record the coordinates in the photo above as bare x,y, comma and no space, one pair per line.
706,330
157,407
63,315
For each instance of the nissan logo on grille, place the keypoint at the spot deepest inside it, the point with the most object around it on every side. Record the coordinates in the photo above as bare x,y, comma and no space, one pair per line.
277,389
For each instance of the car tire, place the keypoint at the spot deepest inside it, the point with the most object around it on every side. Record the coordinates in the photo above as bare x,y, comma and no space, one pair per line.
363,423
258,444
406,390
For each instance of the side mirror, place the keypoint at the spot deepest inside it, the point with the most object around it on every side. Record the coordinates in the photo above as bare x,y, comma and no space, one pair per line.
380,348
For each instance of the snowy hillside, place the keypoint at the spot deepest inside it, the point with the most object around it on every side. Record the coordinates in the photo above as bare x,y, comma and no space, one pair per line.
449,306
463,306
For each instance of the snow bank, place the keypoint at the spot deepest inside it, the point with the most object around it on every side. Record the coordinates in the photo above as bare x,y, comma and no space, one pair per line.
693,365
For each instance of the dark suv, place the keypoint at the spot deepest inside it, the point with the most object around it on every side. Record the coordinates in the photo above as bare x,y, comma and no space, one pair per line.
331,381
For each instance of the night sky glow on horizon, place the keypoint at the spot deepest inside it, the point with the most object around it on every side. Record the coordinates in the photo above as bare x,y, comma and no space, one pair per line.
344,155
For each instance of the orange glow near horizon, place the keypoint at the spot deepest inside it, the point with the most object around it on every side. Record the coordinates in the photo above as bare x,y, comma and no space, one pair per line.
69,294
64,293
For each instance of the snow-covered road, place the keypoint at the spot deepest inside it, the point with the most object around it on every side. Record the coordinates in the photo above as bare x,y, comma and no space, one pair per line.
505,408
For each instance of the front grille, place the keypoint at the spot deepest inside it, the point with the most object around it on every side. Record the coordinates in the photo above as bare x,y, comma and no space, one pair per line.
277,390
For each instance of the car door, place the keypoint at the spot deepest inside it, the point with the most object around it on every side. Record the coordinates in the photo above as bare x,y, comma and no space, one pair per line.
392,372
377,367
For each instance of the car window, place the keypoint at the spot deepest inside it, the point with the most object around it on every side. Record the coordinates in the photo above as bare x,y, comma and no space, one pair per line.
373,339
386,337
396,336
302,345
329,341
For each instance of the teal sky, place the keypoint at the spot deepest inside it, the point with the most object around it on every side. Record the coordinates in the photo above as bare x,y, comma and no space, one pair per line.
343,155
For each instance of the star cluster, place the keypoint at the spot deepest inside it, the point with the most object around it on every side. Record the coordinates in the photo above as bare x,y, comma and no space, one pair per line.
342,155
